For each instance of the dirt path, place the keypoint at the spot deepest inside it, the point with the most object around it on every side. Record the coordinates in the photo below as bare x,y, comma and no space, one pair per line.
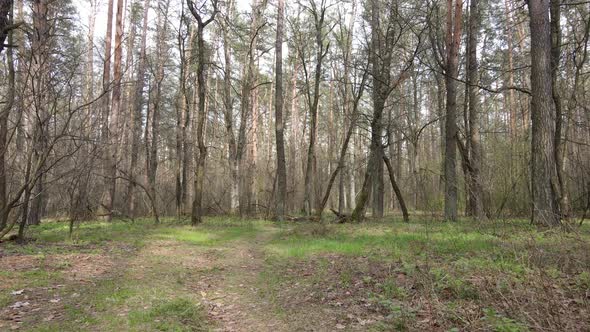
229,289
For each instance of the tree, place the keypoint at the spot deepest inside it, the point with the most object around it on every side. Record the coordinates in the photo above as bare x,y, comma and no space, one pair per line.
228,104
183,112
313,99
560,117
383,41
6,18
545,185
475,185
452,41
279,122
107,202
196,216
114,122
136,113
242,157
155,109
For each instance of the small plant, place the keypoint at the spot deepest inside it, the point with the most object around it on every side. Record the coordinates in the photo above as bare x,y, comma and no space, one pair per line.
500,323
583,280
173,315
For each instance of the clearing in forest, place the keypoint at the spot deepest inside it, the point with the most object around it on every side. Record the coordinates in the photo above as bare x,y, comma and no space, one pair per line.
239,275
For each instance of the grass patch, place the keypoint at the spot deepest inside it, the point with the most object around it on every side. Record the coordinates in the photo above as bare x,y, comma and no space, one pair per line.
425,275
179,314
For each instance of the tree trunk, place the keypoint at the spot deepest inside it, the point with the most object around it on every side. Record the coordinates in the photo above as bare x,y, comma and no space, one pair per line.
246,108
343,149
105,113
453,39
279,123
114,122
476,188
182,122
381,66
294,139
152,156
197,213
396,190
228,113
560,142
40,64
543,164
8,12
136,114
313,103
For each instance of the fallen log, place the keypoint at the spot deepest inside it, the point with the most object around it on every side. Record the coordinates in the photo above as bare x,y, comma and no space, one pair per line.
341,218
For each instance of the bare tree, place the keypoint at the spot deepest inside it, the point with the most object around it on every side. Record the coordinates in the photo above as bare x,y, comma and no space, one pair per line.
183,112
279,122
384,38
197,213
107,200
313,99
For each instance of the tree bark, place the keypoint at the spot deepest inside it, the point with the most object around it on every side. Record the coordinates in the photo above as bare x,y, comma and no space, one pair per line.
152,156
453,39
279,123
114,123
6,18
476,188
105,113
197,213
313,103
396,190
560,142
136,114
380,55
543,114
40,63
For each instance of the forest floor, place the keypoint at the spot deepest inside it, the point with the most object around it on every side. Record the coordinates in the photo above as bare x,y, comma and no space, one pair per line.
248,275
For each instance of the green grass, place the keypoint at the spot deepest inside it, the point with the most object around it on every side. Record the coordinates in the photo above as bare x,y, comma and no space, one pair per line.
445,261
466,271
124,300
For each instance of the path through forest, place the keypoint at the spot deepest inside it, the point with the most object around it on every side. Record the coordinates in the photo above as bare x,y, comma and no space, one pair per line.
229,287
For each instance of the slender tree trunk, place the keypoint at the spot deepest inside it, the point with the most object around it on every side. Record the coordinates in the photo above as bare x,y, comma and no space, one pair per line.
313,103
453,39
560,142
152,156
279,123
40,65
114,122
105,113
197,213
396,190
136,114
183,120
294,144
228,112
343,150
476,188
246,110
511,97
4,114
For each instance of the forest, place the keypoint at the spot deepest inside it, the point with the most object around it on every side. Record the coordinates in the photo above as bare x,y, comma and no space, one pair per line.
302,165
